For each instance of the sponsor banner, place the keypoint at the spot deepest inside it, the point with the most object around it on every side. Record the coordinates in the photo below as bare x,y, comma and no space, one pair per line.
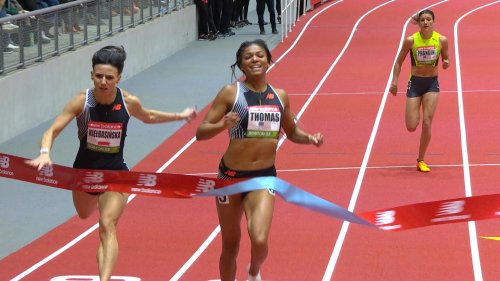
394,219
437,212
291,194
144,183
186,186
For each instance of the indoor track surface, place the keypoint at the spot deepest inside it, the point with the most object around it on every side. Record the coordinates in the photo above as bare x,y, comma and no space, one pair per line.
336,66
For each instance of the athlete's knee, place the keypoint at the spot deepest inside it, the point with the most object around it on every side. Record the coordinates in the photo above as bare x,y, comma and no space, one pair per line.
412,126
83,214
259,241
427,123
230,248
107,225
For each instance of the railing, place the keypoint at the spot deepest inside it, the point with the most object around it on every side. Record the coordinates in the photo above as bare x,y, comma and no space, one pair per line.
49,32
290,14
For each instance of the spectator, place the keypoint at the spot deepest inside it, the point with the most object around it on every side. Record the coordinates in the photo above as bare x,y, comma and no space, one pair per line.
206,25
278,11
68,25
261,6
32,5
223,10
244,12
7,27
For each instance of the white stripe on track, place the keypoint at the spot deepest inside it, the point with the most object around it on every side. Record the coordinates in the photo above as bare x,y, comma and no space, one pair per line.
92,228
188,264
357,187
476,261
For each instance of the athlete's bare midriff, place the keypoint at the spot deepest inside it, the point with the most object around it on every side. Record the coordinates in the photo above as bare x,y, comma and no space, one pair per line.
250,154
424,71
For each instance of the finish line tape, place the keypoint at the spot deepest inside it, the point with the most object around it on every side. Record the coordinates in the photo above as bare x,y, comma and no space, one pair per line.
186,186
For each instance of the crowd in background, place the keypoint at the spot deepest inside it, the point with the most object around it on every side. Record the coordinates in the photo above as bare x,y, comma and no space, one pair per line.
10,33
219,18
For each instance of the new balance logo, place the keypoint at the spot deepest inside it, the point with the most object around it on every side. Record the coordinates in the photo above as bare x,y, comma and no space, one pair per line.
47,171
93,177
205,185
269,96
451,208
147,180
4,162
387,217
117,107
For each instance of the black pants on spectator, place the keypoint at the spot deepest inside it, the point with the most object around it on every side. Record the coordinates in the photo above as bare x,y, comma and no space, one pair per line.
278,8
222,14
261,6
206,22
237,4
225,19
244,9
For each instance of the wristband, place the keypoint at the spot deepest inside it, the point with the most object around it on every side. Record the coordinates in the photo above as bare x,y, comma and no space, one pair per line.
44,151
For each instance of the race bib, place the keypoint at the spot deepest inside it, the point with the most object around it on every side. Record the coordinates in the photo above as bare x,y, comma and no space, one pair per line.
426,54
104,137
263,121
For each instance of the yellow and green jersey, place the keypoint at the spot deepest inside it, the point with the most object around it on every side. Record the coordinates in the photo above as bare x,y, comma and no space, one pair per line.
425,51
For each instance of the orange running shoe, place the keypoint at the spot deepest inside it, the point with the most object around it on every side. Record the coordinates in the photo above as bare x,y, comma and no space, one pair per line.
422,167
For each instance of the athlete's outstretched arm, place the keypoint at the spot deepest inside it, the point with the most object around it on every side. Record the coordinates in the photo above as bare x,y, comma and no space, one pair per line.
72,109
151,116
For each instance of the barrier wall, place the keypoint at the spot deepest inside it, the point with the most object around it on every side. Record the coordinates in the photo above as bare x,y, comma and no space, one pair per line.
34,95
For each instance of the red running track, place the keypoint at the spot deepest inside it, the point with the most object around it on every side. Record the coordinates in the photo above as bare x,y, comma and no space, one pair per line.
337,75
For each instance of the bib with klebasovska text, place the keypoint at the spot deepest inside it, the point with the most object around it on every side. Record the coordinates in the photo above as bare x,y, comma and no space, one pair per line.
263,121
104,137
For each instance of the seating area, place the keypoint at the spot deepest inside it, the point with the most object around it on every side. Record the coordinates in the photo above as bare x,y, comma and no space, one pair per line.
31,37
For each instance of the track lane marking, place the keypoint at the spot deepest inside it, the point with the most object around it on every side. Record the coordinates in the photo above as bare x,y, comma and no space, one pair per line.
357,187
476,261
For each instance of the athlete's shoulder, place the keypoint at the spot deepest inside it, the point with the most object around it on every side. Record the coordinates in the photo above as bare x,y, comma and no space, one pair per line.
441,37
230,88
130,100
228,91
80,98
408,43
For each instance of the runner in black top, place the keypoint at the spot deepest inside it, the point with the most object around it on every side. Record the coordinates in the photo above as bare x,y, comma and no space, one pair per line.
102,115
254,113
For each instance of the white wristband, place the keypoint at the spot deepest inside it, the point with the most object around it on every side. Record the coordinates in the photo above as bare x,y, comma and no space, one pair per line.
44,151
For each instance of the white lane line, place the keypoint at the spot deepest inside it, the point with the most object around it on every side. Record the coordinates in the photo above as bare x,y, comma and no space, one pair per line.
350,168
195,256
92,228
380,93
161,169
357,187
476,261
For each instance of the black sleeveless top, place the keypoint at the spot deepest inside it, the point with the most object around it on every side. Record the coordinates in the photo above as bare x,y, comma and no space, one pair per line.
102,130
260,113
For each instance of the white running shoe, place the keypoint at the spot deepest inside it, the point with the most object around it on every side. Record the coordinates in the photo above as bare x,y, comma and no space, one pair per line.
253,278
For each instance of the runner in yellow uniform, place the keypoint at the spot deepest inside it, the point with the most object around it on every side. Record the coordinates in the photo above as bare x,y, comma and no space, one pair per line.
426,46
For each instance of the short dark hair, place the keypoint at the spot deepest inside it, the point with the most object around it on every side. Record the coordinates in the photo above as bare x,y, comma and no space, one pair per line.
259,42
426,11
112,55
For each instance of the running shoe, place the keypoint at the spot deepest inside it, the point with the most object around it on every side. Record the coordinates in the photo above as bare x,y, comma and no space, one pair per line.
422,167
253,278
